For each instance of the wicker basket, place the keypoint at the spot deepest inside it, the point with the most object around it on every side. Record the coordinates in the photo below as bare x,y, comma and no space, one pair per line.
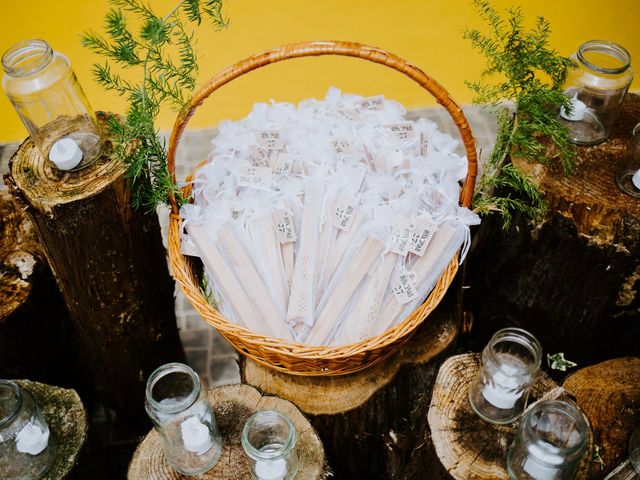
296,358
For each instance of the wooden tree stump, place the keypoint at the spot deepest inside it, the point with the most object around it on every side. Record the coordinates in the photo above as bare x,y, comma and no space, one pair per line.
232,406
469,447
67,420
366,420
609,394
110,265
574,276
624,471
32,313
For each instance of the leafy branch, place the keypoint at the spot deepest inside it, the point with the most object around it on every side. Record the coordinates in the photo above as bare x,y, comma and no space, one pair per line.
162,51
522,71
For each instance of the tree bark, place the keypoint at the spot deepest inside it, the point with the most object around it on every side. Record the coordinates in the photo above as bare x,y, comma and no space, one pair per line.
368,420
609,394
110,265
469,447
572,279
32,313
232,406
67,421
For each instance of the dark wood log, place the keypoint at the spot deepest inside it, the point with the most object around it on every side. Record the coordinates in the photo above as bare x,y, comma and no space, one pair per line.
232,406
32,313
609,394
110,265
67,420
624,471
572,279
469,447
369,421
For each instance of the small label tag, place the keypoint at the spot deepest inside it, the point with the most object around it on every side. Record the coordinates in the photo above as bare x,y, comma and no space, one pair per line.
255,177
270,139
348,114
343,215
285,229
260,157
401,232
405,290
372,103
420,237
424,144
402,131
342,146
188,246
283,164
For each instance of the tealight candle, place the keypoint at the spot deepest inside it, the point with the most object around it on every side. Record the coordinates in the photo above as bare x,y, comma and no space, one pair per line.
636,179
66,154
578,110
543,462
509,365
32,440
272,470
195,435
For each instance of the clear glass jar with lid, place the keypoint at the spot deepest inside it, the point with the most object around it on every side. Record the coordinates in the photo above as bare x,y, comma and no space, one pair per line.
180,411
596,86
269,440
45,92
26,446
552,439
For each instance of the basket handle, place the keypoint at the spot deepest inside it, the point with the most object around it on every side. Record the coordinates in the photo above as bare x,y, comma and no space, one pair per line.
348,49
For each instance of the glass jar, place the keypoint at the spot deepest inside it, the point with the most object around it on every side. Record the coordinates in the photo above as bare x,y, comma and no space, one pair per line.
508,368
552,439
628,174
44,91
596,86
177,404
634,450
269,440
26,446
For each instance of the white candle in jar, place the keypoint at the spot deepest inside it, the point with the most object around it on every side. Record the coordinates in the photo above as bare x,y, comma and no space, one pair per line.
578,111
543,464
32,439
505,386
271,469
66,154
636,179
196,436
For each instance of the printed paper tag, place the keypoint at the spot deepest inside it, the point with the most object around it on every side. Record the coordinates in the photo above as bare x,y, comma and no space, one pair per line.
260,157
283,164
424,144
402,131
348,114
285,228
236,214
401,232
343,215
372,103
255,177
270,139
188,246
342,146
421,237
405,290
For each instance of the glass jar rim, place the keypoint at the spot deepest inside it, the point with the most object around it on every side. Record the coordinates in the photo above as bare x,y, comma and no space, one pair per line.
610,48
36,52
9,385
522,337
167,369
256,454
558,407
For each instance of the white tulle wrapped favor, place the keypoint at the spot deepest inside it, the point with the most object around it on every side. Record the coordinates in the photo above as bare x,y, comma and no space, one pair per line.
328,222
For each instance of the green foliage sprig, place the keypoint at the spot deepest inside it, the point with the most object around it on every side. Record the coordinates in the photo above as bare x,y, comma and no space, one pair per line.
522,82
162,52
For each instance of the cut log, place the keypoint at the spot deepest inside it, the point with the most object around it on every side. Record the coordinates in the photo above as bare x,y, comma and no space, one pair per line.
624,471
575,276
366,420
110,265
32,312
232,406
67,420
609,394
469,447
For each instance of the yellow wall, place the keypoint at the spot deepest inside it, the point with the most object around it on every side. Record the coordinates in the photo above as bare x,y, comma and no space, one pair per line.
426,32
